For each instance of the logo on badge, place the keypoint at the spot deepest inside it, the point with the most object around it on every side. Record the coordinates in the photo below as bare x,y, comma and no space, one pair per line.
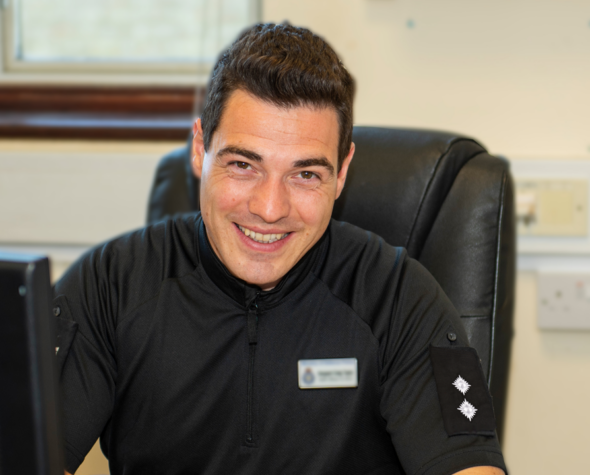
308,377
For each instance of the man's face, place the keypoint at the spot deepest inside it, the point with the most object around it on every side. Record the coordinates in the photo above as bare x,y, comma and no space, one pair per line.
268,184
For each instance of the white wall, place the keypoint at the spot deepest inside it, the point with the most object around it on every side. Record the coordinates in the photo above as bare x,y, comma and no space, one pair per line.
60,197
514,74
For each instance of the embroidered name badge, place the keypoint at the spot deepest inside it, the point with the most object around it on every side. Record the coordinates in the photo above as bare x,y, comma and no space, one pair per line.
328,373
462,391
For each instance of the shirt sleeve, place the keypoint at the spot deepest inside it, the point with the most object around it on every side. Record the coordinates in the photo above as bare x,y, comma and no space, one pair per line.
85,351
94,296
423,318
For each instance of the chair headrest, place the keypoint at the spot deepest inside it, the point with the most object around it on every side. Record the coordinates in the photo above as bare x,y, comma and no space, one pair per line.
398,180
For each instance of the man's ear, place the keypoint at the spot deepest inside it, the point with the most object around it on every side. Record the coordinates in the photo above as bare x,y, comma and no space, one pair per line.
344,171
197,149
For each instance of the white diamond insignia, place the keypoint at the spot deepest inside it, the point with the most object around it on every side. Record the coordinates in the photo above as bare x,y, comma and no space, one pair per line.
467,409
462,385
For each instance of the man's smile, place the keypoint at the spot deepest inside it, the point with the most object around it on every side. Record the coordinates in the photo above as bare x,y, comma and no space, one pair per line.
262,238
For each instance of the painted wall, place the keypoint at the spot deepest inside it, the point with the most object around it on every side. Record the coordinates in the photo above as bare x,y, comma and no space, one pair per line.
514,74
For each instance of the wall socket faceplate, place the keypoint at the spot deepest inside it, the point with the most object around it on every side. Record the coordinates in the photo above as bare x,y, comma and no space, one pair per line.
563,300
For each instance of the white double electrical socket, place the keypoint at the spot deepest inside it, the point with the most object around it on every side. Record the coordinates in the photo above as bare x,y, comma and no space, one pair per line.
563,300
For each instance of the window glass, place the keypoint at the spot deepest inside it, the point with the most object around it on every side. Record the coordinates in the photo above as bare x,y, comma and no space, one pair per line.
127,30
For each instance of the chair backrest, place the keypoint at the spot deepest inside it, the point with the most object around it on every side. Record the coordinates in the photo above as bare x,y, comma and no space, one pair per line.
440,195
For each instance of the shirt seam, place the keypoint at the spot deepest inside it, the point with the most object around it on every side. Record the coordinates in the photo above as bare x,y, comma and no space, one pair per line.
421,350
88,340
78,327
98,352
446,321
152,297
359,320
74,451
216,288
427,466
358,317
399,252
112,254
123,318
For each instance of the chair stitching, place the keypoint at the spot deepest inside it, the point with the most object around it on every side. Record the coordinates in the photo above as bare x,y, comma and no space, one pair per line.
497,274
431,179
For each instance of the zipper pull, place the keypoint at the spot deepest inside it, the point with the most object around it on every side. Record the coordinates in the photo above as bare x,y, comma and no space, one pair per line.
253,321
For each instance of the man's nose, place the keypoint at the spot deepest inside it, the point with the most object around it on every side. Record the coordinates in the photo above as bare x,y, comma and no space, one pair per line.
270,200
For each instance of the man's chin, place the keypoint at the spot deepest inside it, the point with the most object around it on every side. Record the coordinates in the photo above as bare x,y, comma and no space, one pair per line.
264,284
262,277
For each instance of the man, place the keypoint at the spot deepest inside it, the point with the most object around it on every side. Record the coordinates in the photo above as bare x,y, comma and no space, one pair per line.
259,337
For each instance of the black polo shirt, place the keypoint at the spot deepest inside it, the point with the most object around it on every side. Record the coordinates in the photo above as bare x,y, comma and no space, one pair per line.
181,368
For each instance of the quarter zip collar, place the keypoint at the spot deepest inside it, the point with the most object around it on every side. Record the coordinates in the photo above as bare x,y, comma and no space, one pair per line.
244,293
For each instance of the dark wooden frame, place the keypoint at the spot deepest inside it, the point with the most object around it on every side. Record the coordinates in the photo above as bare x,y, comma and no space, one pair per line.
97,112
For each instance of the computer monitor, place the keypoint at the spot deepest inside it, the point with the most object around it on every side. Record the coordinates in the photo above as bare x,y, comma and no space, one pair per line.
30,437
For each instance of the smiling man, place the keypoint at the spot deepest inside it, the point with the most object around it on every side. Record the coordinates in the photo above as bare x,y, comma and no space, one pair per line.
259,336
269,183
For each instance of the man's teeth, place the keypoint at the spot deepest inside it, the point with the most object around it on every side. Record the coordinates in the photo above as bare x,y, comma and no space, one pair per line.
263,238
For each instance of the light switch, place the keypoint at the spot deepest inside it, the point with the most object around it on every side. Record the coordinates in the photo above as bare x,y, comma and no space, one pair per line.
552,207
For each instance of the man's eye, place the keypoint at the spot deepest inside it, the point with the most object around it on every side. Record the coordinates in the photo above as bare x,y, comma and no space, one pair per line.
242,165
308,175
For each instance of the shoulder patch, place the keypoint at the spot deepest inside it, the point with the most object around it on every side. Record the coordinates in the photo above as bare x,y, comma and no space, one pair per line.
462,391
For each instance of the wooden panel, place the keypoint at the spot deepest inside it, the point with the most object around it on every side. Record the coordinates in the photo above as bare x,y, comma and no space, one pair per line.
171,100
95,126
122,113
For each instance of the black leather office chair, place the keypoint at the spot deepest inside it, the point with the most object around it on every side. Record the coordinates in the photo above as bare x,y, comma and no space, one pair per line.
440,195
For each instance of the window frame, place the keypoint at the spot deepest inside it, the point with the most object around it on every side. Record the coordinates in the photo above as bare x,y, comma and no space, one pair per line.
132,72
97,101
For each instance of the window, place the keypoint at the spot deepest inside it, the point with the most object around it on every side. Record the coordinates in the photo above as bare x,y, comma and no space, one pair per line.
110,69
121,36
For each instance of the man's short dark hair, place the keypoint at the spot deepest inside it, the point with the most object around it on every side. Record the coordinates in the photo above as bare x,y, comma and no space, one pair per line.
286,66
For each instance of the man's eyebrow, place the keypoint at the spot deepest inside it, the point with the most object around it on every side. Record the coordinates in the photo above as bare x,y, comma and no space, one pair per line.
232,150
315,162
